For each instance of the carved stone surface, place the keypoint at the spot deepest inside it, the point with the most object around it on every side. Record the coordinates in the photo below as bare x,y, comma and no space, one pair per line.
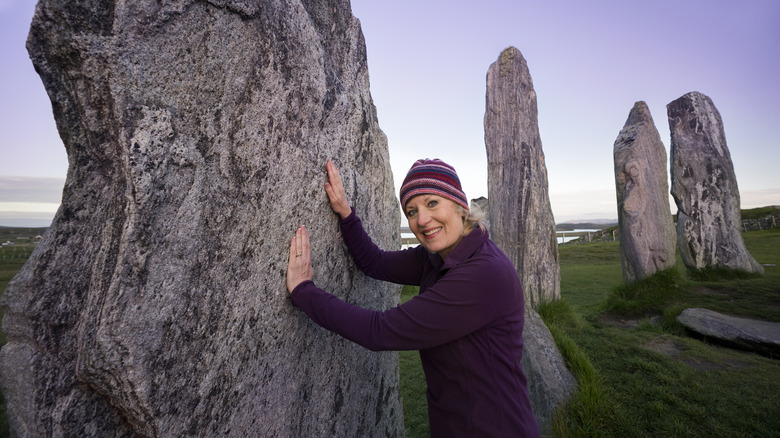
647,238
197,134
521,218
762,337
550,383
704,188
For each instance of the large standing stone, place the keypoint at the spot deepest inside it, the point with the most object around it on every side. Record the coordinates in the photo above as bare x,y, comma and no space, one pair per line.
197,134
522,224
521,218
704,188
647,238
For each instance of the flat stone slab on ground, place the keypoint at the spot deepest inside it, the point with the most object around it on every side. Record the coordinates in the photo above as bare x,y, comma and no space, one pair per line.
762,337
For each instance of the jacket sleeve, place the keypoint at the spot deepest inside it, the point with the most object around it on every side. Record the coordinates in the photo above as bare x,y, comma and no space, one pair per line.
401,267
457,305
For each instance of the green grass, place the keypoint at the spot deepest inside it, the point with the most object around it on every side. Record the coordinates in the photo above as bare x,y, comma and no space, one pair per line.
658,384
648,296
12,258
413,385
589,412
588,273
652,379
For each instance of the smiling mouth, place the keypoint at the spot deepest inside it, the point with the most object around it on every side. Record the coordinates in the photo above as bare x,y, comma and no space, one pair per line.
431,232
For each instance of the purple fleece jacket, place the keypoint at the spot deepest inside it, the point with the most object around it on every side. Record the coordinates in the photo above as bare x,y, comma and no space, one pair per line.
467,322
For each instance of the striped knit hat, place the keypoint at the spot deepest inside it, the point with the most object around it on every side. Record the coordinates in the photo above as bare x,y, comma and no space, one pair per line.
433,177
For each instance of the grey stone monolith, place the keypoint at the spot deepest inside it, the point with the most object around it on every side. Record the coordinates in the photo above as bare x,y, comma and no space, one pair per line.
521,219
647,237
704,187
522,224
155,305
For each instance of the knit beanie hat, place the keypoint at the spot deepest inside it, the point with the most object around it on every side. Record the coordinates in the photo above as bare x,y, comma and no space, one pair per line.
433,177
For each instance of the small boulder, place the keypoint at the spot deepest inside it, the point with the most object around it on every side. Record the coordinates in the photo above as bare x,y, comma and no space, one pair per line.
762,337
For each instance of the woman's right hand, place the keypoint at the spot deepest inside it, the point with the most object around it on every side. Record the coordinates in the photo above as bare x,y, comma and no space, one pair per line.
335,190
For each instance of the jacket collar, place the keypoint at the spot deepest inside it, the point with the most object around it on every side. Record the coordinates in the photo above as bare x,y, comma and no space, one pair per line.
465,249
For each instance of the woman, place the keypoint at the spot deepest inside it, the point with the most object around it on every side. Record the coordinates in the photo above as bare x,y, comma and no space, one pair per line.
467,320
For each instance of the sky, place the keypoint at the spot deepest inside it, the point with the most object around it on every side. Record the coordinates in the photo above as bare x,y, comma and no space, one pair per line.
590,62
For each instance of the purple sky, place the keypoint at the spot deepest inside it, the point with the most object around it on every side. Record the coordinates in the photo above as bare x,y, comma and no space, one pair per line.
590,61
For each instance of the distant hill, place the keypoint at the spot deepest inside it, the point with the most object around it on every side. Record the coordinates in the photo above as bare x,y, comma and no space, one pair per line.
602,224
757,213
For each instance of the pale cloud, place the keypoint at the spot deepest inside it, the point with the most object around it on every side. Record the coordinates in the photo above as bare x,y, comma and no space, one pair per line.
29,207
22,189
759,198
25,219
602,204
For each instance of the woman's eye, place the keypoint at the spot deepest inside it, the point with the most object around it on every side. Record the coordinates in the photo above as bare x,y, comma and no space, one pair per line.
410,213
433,203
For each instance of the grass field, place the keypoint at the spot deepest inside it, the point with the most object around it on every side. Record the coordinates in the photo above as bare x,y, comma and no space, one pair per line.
637,378
12,257
655,379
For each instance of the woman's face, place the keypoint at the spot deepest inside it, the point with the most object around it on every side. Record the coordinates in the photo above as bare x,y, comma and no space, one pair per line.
435,222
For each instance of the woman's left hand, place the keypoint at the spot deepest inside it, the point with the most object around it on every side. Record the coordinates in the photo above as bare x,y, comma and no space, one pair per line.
299,265
335,190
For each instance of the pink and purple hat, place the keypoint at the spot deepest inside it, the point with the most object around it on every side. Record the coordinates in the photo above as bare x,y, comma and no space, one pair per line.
433,177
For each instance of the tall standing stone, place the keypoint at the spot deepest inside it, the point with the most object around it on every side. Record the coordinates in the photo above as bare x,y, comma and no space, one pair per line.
647,238
197,134
520,214
522,224
704,187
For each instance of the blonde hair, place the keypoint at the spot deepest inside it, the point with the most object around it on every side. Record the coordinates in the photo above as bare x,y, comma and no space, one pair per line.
473,218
